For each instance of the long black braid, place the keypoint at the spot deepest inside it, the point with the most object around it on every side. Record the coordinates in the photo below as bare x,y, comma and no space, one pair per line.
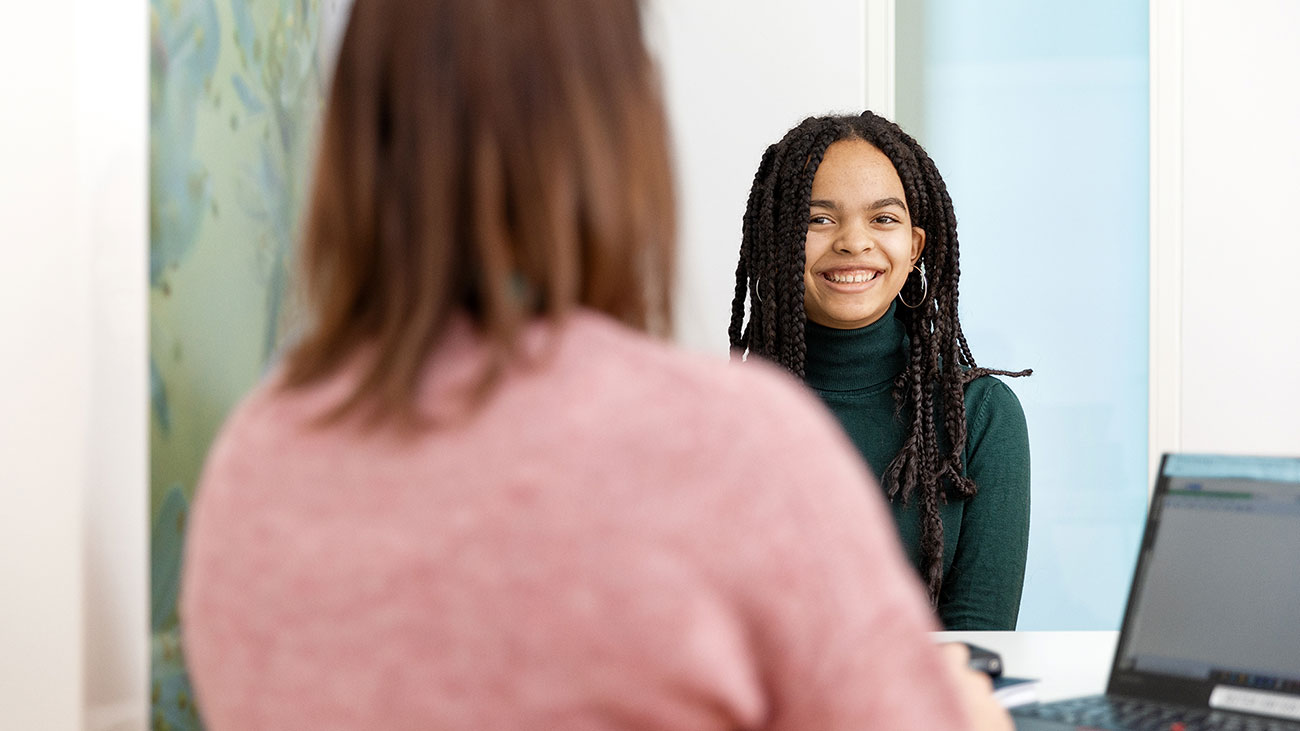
770,275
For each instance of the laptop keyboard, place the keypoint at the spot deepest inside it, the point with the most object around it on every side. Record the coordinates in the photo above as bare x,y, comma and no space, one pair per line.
1102,712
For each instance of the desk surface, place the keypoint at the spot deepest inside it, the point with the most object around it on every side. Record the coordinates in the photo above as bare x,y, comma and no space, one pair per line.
1067,664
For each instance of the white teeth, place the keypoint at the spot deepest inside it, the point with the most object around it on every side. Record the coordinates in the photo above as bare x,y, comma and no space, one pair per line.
851,277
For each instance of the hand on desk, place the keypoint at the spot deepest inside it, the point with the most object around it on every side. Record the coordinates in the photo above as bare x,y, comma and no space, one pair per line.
975,690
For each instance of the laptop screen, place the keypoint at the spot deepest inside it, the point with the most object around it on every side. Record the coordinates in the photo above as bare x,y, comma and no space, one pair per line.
1216,597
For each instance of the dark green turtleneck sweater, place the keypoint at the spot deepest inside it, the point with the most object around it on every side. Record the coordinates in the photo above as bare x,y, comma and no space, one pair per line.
985,538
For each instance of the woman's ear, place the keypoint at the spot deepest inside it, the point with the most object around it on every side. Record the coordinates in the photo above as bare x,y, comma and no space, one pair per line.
918,243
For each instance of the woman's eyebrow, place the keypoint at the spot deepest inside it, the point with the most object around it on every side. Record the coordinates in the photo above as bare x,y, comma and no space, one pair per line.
886,202
882,203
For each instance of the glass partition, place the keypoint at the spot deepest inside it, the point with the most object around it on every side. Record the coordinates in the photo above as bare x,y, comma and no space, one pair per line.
1037,116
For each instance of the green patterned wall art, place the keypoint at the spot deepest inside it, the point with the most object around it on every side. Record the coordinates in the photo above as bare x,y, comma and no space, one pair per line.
236,94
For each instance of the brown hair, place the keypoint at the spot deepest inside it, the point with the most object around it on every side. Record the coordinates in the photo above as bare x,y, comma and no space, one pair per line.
503,158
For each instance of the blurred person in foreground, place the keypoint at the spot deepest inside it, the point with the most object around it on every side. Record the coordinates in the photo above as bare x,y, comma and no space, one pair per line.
481,492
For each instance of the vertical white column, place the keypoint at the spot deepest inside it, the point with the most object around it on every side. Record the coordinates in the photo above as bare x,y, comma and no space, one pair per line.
45,367
1240,341
879,59
112,47
73,392
1165,371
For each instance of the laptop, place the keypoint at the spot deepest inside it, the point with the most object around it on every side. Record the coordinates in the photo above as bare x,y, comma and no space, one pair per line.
1211,633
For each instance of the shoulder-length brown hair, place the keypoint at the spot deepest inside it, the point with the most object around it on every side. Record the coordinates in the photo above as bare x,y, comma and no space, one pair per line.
502,158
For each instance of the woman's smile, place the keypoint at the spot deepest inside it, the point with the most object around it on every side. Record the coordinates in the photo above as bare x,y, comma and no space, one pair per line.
851,280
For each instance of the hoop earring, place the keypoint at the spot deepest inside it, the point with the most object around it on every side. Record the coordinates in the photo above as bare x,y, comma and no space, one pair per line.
925,289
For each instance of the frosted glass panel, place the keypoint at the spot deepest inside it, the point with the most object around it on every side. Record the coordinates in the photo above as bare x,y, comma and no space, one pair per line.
1036,114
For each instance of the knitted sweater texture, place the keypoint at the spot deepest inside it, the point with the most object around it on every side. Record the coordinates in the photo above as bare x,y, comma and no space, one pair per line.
623,536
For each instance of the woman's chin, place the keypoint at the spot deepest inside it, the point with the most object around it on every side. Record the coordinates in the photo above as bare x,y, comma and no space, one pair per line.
848,318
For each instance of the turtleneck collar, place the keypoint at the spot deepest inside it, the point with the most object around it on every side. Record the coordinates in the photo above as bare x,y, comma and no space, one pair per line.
851,360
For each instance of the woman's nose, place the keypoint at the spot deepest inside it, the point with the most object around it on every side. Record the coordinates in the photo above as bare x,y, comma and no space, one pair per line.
854,240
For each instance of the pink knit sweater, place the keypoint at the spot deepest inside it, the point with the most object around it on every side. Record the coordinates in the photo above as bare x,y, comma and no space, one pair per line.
623,537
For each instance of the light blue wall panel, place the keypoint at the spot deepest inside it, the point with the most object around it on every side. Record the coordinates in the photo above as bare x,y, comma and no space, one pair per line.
1036,114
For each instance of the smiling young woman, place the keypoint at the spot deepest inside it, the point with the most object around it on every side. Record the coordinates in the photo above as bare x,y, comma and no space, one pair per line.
848,217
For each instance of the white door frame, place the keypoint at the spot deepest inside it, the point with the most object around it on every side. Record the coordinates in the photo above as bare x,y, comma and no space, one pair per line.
1165,387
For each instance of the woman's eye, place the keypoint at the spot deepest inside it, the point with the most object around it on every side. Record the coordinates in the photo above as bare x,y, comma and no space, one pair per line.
819,219
886,219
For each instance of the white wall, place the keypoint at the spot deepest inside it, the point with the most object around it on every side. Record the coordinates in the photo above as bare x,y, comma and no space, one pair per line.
44,316
1240,302
738,75
72,310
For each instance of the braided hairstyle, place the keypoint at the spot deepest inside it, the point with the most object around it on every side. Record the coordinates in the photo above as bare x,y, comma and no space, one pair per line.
770,277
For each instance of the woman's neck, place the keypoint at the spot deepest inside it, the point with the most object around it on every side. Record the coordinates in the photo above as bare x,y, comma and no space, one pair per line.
850,360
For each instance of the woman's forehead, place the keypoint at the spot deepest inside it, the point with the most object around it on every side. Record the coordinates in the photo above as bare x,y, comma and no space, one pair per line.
855,169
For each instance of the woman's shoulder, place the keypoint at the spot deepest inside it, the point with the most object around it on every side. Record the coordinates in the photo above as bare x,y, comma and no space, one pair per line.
990,397
996,426
603,372
695,380
751,411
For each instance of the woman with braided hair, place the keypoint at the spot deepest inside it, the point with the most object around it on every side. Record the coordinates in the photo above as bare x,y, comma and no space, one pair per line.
848,279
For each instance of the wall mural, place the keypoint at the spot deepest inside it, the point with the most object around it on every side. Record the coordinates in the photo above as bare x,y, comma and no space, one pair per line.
236,92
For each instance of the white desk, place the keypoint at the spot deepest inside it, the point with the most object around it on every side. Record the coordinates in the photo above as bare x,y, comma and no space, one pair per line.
1067,664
